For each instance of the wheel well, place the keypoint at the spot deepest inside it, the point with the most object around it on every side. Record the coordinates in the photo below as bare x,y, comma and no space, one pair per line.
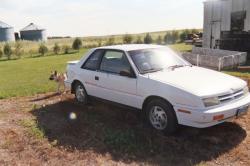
73,85
150,98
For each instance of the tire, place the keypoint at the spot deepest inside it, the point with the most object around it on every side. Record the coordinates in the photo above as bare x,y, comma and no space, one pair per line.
160,115
81,95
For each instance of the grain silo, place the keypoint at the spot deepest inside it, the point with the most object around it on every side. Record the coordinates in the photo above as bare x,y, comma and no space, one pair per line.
6,32
34,33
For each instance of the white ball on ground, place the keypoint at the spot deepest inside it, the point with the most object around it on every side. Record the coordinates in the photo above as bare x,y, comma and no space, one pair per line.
72,116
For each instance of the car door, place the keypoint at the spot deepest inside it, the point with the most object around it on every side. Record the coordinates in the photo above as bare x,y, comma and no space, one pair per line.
89,74
117,79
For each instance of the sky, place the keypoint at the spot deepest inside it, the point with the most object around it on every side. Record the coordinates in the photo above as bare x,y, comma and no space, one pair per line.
102,17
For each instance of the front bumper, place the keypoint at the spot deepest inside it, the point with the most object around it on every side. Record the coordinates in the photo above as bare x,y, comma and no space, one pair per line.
205,118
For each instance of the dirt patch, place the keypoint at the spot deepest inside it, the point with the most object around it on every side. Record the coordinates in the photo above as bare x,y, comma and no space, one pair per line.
48,129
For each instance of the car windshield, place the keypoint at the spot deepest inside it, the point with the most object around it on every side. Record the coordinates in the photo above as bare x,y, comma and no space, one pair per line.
156,59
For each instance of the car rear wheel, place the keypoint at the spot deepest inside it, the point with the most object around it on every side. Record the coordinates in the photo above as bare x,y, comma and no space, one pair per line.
80,94
161,116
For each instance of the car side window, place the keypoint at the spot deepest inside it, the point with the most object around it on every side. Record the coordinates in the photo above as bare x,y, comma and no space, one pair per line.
115,62
93,61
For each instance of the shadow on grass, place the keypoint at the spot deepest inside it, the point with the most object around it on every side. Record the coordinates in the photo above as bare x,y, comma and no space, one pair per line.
45,97
108,129
12,59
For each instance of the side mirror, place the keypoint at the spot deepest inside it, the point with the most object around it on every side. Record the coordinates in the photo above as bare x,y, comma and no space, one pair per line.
126,73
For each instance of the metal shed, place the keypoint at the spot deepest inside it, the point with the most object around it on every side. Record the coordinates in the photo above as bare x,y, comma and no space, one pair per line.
226,21
6,32
33,32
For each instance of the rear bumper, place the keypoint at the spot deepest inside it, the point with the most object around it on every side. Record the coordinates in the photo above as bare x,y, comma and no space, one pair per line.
67,84
205,118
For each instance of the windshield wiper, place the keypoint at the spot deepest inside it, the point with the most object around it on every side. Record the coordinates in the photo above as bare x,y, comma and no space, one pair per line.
177,66
152,70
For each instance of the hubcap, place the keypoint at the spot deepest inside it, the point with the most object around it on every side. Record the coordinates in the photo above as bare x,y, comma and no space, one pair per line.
80,94
158,118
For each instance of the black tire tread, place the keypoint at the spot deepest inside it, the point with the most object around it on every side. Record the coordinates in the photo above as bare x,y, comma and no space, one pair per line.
86,100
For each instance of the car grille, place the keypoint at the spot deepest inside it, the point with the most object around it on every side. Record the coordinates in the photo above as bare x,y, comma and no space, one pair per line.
231,96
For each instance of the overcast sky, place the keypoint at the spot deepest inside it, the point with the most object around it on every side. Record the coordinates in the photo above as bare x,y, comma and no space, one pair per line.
102,17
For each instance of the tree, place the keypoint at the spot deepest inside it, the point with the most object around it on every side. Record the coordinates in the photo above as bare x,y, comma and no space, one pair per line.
183,36
77,44
7,50
111,41
168,38
175,36
159,40
56,49
139,40
148,39
18,49
1,52
127,39
194,31
99,42
43,49
66,49
188,31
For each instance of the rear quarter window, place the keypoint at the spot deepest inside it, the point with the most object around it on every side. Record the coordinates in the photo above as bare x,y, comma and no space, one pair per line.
93,61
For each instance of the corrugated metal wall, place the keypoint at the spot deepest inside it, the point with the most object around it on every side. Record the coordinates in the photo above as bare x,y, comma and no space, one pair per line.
38,35
212,23
207,24
7,34
237,5
226,7
247,21
216,22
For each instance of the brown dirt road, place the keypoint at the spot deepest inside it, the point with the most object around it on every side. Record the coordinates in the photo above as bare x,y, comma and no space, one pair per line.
107,135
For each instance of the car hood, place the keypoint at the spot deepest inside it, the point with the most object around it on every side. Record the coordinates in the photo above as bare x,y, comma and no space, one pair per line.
199,81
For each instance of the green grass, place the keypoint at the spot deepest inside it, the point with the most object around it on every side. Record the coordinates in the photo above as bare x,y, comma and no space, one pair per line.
181,47
29,76
33,128
239,74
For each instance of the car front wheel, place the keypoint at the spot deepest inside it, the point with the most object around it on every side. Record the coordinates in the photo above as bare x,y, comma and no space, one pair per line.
161,116
80,94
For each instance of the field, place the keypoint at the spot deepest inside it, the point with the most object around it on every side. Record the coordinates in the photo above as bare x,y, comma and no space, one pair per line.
29,76
30,48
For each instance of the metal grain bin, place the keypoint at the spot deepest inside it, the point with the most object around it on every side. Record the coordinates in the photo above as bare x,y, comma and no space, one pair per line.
6,32
34,33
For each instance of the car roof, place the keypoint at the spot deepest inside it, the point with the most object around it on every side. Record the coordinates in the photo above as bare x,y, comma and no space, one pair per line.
131,47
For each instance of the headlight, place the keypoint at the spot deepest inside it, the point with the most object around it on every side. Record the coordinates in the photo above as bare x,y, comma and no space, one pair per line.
212,101
246,91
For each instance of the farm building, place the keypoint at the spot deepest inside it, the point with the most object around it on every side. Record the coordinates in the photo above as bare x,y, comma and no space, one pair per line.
6,32
227,24
34,33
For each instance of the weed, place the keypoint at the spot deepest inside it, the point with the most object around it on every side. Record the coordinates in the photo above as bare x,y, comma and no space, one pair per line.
33,128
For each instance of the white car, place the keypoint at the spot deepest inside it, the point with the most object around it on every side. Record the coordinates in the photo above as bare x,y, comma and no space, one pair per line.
160,83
